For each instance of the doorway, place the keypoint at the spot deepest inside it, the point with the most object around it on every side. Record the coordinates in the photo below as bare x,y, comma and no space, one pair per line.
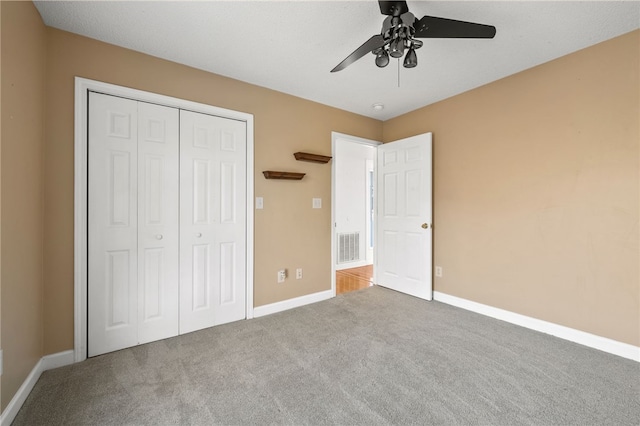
402,199
353,212
165,220
82,89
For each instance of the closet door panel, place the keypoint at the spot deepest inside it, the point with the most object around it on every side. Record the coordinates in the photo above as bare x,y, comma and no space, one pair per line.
212,220
158,238
231,229
112,224
197,222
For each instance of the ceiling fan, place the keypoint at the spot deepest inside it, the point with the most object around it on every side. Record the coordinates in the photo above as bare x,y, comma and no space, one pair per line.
400,30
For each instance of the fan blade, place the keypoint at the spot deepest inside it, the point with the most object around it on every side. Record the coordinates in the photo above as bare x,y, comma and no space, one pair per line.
432,27
373,43
393,8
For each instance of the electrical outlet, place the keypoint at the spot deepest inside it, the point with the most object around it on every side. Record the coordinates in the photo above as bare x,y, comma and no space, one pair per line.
439,271
282,275
299,274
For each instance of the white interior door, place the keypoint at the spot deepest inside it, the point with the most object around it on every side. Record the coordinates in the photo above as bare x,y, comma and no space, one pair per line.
112,221
404,230
132,223
212,220
158,238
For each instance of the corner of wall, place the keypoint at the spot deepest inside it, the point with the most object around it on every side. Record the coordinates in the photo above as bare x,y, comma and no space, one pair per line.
536,196
21,208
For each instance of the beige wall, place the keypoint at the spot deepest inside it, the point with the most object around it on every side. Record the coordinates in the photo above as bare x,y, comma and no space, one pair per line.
23,67
288,233
1,405
536,190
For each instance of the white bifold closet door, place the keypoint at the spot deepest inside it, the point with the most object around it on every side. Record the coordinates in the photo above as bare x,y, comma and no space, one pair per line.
212,220
167,222
133,223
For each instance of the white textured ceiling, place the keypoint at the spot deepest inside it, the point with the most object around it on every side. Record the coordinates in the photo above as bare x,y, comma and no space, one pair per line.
291,46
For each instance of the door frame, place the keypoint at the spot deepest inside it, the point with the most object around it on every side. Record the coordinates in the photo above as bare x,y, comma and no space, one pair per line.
334,138
80,251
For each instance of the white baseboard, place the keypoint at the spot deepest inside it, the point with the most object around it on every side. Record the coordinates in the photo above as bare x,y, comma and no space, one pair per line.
47,362
58,360
614,347
296,302
350,265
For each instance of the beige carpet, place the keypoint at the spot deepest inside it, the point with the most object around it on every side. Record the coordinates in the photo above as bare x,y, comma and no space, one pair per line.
364,358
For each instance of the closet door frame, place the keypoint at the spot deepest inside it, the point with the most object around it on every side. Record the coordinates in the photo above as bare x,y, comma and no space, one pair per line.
82,88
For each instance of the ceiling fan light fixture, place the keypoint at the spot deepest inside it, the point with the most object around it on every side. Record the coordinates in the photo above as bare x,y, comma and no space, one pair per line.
396,48
401,31
411,60
382,58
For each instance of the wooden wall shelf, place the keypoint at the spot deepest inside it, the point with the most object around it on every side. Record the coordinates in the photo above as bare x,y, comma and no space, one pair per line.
313,158
268,174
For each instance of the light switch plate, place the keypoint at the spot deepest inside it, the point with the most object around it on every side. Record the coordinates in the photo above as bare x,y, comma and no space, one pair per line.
259,203
316,203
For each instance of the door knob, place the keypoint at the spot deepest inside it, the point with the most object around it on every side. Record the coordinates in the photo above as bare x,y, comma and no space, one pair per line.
159,236
199,234
425,225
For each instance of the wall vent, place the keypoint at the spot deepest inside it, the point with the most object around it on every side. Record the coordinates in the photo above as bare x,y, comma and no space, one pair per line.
348,247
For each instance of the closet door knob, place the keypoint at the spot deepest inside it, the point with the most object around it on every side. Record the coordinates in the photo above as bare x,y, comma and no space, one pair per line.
159,236
199,234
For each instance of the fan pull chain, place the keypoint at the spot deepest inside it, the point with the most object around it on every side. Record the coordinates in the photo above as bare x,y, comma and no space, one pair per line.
398,73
